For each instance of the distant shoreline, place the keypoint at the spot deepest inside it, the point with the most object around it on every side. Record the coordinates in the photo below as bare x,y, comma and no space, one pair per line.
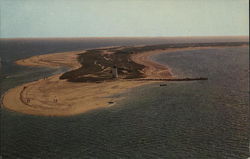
53,96
245,37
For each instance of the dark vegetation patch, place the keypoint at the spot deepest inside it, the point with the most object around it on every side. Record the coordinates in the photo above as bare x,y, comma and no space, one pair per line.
96,66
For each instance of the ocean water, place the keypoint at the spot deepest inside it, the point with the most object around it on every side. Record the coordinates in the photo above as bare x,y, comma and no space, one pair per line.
195,119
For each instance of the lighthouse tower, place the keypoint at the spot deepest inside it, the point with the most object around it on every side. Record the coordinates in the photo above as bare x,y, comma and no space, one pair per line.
114,72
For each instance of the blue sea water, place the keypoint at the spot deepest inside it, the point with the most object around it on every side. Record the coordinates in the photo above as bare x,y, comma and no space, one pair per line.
196,119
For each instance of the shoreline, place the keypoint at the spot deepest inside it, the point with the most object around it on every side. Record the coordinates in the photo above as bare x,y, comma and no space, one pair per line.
53,96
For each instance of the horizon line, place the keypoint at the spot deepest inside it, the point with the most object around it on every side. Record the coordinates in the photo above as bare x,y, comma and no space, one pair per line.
104,37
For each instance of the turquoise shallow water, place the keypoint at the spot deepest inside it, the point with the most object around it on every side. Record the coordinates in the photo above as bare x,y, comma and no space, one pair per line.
198,119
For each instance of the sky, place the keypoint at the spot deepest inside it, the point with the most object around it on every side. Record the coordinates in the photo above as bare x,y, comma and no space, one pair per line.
118,18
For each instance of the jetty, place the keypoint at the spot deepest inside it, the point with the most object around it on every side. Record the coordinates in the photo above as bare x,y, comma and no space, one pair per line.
173,79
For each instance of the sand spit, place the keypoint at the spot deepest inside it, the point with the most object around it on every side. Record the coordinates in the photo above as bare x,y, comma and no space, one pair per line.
54,97
55,60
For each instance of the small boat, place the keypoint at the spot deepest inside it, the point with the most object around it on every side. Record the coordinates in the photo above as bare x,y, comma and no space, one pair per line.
163,84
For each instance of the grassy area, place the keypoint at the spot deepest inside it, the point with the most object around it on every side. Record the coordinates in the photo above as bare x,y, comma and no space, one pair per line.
97,66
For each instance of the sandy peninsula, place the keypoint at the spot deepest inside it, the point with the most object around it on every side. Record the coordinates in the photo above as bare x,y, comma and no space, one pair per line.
54,96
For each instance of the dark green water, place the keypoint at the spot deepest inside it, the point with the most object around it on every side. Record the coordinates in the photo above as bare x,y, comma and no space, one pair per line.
198,120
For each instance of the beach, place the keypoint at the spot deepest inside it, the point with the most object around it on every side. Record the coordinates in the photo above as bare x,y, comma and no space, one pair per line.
53,96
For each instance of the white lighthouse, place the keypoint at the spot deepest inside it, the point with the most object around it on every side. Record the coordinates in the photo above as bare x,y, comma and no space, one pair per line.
114,72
